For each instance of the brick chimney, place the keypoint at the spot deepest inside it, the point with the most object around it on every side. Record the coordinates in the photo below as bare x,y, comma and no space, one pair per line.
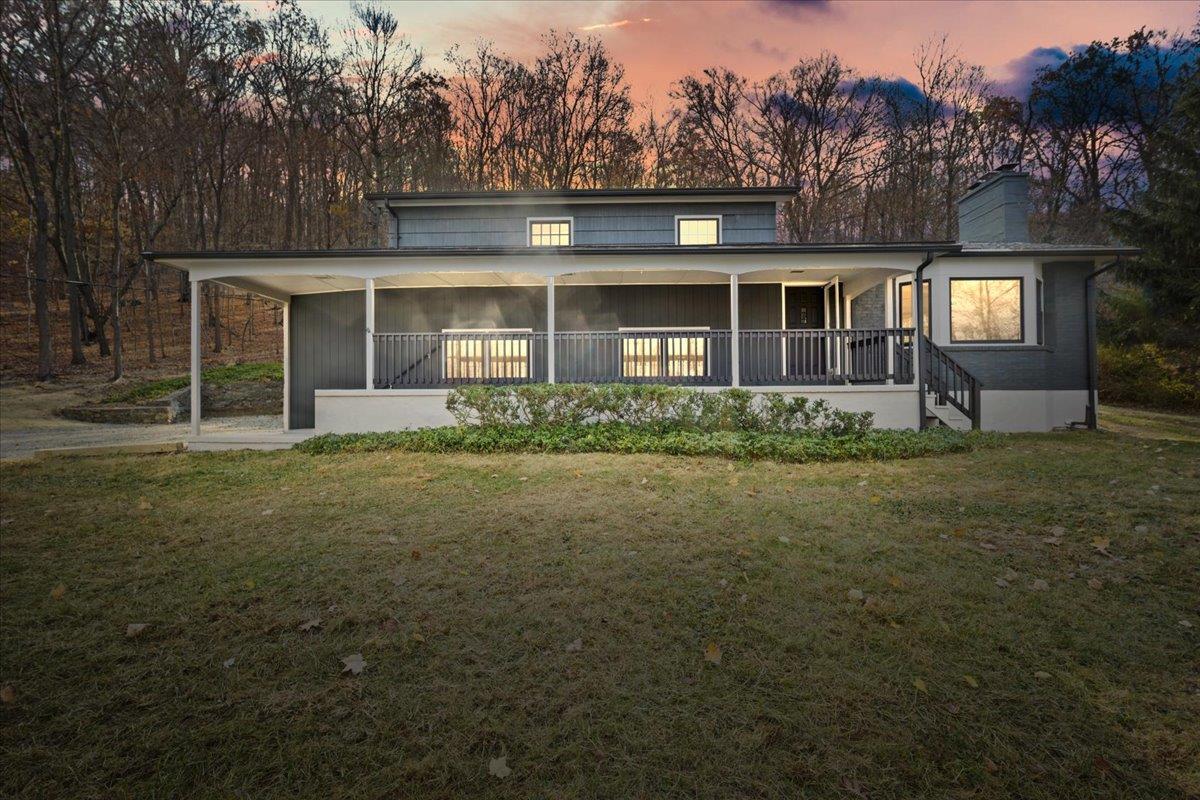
996,207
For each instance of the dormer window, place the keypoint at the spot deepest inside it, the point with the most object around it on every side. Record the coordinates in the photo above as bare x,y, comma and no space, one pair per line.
697,230
550,232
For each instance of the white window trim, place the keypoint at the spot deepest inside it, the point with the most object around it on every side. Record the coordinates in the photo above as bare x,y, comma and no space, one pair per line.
529,230
720,227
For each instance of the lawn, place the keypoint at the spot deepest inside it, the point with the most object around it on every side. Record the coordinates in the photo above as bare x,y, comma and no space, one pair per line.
1013,622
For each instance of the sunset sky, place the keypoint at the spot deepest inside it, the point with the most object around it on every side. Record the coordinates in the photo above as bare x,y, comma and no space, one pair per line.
660,41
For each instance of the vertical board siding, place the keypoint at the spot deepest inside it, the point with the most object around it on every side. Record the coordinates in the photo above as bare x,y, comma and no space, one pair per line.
595,223
328,348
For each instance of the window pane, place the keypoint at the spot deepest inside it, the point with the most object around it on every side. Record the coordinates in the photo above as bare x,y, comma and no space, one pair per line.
906,309
685,356
508,358
550,234
698,231
640,357
987,310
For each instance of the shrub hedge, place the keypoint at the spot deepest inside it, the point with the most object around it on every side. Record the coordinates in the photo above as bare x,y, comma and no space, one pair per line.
1151,376
641,405
615,437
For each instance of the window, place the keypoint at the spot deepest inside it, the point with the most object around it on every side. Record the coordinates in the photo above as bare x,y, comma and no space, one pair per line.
904,301
650,355
697,230
1041,313
550,233
986,310
504,356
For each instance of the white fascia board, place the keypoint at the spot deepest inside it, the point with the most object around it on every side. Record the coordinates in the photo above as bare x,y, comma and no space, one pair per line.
538,264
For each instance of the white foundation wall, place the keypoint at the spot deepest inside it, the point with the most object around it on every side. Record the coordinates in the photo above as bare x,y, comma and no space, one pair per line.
363,411
1034,410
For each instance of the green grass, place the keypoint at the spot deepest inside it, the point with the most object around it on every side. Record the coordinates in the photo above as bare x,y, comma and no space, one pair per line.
465,580
794,448
215,376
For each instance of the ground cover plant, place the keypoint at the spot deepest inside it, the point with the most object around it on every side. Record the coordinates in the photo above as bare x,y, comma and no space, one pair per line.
213,376
1012,622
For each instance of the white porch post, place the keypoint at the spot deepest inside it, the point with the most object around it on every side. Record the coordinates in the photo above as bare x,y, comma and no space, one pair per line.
550,377
287,366
195,407
370,328
735,352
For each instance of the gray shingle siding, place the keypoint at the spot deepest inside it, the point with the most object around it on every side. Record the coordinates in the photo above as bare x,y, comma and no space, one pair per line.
595,223
1059,364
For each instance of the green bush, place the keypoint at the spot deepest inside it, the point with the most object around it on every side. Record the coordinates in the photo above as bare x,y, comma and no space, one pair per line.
215,376
651,405
611,437
1151,376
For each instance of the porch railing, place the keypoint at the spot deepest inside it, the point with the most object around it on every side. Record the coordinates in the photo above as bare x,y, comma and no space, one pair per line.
683,357
826,356
675,356
418,360
951,383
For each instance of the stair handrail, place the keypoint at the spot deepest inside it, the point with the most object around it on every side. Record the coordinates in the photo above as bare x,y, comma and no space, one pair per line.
951,382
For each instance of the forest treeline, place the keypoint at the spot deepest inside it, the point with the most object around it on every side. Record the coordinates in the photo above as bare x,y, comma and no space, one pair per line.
189,124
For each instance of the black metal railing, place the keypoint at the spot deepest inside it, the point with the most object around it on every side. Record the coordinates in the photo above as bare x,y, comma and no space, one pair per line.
417,360
950,383
826,356
674,356
683,357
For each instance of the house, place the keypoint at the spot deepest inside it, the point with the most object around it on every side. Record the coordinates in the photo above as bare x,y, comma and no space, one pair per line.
679,286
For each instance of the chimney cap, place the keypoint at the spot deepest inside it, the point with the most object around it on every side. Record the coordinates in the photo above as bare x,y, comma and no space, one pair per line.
1006,170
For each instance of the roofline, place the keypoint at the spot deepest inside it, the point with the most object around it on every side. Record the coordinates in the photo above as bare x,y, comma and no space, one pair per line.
1051,250
538,196
943,248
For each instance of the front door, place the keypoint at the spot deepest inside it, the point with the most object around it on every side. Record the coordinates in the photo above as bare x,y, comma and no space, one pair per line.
804,356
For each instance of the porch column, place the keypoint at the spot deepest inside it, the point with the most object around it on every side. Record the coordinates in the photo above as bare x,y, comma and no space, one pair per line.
194,413
287,365
735,351
370,328
550,378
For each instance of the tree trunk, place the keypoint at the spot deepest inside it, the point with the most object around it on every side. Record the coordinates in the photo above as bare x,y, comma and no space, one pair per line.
41,291
75,311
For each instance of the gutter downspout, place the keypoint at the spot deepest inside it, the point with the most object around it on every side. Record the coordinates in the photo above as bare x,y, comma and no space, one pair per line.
919,336
1091,348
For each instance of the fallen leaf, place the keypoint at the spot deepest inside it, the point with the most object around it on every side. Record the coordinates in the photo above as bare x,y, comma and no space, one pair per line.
417,637
498,767
1095,583
59,592
990,766
578,473
8,694
876,499
1057,530
227,663
855,594
784,540
268,512
920,685
249,584
1039,585
712,654
752,493
143,504
645,481
1011,575
1003,584
1041,675
354,663
1185,623
134,628
987,546
972,681
895,582
416,554
1101,544
575,646
1141,528
1102,765
311,624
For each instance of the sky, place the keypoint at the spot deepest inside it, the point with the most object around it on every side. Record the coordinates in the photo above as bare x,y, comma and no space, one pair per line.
659,41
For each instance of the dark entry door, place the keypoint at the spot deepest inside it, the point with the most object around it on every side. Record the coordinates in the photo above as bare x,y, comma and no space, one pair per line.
804,309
